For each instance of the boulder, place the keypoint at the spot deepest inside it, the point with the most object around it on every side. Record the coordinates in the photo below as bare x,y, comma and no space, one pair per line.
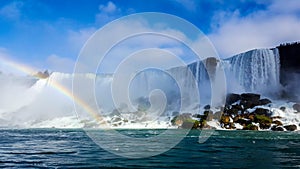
244,122
251,117
296,107
236,118
264,121
232,98
264,101
250,127
277,122
199,116
250,97
207,107
230,126
276,117
261,111
292,127
282,108
277,128
264,125
225,119
203,124
247,104
208,115
238,107
232,111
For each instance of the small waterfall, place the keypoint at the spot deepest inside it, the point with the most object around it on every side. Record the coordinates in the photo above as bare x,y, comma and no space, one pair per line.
256,70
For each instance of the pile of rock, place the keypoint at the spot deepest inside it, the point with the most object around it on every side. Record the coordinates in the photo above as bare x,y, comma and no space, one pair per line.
245,111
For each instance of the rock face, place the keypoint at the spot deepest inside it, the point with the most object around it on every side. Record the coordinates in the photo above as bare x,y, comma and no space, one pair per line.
290,69
211,65
42,75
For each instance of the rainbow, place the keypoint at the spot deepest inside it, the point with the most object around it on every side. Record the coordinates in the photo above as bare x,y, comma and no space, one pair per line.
57,86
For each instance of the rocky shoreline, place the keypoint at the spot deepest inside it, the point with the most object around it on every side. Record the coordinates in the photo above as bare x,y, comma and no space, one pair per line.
247,111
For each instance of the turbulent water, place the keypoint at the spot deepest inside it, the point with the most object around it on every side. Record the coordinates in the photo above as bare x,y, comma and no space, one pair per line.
57,148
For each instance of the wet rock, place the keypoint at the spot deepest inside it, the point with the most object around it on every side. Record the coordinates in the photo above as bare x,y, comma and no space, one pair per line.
238,107
248,104
296,107
276,117
199,116
250,97
292,127
236,118
261,111
203,124
207,107
208,115
230,126
264,121
264,125
232,111
282,108
250,127
232,98
277,122
251,117
244,122
264,101
277,128
225,119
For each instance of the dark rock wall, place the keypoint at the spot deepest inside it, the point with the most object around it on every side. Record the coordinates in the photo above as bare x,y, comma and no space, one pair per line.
289,61
290,70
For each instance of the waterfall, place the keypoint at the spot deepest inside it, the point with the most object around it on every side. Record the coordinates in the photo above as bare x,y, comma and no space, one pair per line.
256,70
28,101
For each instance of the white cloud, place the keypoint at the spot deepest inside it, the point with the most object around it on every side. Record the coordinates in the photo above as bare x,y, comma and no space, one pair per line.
108,8
107,13
60,64
111,36
11,11
260,29
283,6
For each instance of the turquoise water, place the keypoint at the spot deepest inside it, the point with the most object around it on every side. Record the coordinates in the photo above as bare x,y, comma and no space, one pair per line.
57,148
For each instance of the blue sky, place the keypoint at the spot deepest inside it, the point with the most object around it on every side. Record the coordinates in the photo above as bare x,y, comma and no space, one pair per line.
46,34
